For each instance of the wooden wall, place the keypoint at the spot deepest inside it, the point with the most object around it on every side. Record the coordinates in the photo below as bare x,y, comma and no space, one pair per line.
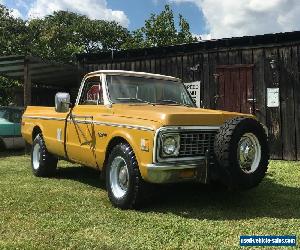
283,122
200,65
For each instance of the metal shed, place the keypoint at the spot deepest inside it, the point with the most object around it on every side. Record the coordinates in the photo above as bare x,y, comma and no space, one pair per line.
41,78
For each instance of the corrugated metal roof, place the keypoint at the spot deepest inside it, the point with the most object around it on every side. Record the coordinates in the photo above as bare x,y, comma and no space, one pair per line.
42,72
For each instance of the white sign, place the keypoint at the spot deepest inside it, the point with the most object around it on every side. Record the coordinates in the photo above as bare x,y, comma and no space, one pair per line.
273,97
194,89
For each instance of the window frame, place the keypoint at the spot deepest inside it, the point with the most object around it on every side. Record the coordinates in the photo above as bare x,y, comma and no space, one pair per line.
82,91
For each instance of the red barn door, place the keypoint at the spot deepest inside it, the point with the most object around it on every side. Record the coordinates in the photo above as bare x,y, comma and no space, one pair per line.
235,88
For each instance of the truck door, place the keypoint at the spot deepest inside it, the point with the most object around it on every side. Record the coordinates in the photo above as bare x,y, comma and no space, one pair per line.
81,133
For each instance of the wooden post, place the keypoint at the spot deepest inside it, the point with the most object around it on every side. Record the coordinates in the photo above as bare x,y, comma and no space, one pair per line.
27,93
27,83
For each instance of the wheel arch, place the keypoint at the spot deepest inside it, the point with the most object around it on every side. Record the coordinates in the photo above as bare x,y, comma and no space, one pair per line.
36,130
137,188
115,140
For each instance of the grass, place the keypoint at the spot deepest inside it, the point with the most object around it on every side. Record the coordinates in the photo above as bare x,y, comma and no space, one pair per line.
72,211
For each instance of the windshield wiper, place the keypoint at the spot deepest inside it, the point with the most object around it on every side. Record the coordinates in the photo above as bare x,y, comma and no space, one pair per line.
169,101
161,102
172,102
132,99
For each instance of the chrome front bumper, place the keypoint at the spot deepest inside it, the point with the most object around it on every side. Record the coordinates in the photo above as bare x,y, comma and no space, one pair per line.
171,172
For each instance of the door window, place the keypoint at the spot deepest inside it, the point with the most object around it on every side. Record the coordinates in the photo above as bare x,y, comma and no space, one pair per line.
92,93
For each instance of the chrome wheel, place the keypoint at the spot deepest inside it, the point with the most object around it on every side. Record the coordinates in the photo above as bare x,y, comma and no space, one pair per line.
249,153
119,177
36,156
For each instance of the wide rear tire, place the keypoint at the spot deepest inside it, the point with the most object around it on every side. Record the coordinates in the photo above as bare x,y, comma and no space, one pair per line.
242,153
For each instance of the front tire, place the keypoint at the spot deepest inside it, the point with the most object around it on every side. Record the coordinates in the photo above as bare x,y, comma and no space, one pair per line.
242,153
43,163
123,179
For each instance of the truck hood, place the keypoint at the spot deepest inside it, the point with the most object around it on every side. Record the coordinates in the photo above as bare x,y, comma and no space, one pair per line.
174,115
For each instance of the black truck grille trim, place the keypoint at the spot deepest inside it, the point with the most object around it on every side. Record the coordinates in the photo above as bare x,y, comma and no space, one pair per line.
196,143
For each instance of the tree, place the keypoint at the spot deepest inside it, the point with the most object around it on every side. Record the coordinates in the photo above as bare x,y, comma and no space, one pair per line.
12,33
7,87
61,35
184,35
160,30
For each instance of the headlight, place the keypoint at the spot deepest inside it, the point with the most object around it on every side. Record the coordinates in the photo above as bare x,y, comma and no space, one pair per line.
170,144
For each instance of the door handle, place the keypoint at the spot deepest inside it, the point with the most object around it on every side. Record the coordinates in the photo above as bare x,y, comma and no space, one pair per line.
252,100
251,110
216,97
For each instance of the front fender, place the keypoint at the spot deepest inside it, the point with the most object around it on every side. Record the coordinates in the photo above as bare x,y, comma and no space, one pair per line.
134,137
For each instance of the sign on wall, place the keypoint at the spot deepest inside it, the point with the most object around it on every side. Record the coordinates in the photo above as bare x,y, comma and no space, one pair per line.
272,97
194,90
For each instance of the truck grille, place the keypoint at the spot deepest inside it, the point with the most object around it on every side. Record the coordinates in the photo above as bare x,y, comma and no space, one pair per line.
195,143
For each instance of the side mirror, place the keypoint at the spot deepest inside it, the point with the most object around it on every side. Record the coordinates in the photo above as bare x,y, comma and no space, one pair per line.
62,102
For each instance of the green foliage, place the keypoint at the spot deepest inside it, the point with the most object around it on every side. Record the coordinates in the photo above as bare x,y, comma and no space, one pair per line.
160,30
7,90
10,30
58,36
12,33
184,35
13,40
61,35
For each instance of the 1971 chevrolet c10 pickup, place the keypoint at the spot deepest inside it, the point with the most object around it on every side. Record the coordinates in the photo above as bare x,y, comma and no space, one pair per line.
141,128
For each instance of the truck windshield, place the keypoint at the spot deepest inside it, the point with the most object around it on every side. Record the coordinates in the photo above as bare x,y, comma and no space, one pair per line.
132,89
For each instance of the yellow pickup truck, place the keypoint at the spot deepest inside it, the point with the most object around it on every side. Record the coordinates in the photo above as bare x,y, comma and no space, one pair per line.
140,128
